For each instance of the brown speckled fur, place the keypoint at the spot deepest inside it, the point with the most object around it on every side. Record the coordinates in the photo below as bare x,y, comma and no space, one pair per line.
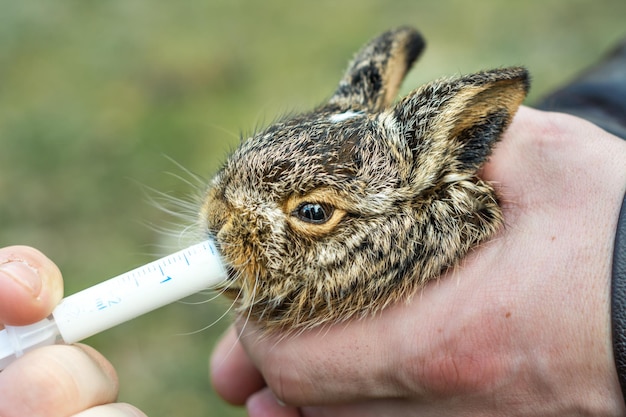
400,180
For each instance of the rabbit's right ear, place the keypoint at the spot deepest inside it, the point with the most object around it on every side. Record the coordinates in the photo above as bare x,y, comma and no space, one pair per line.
373,78
461,118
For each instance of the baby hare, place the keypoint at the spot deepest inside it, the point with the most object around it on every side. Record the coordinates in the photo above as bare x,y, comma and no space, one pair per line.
339,212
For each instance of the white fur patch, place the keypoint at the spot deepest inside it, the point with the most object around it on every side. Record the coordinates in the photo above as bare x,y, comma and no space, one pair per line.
340,117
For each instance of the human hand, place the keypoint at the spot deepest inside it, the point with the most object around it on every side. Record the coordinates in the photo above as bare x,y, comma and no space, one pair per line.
54,381
521,327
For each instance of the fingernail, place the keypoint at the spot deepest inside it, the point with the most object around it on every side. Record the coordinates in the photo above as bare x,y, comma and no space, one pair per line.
22,273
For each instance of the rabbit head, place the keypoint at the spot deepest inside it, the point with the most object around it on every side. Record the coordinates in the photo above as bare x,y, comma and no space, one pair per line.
338,212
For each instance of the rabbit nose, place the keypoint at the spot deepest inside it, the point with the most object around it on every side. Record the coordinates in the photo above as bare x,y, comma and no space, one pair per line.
240,229
215,211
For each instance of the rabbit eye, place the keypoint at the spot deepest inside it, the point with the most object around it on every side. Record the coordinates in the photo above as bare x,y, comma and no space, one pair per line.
314,213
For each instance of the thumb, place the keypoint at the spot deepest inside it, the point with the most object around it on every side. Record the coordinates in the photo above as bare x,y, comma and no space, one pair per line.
30,285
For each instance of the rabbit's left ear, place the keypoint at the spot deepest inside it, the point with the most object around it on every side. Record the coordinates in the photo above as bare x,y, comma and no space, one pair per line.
464,116
373,78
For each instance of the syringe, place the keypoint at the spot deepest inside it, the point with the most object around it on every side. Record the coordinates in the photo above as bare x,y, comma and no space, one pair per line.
117,300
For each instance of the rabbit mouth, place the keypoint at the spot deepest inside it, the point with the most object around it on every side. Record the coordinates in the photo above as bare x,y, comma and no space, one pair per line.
231,288
242,271
230,271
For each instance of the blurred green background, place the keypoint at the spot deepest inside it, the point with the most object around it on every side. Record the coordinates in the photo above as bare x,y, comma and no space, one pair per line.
104,105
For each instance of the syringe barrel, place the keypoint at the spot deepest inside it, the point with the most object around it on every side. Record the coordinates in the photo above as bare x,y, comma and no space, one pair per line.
139,291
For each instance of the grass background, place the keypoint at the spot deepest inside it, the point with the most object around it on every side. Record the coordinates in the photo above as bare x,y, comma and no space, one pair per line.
97,99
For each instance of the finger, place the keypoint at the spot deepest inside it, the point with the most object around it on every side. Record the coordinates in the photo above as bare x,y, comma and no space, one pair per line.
265,404
56,381
30,285
342,363
392,407
112,410
234,376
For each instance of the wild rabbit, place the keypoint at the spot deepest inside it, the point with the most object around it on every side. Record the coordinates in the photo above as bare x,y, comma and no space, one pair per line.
339,212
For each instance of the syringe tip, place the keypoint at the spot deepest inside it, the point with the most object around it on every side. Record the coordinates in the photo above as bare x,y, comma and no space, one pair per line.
15,341
7,353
